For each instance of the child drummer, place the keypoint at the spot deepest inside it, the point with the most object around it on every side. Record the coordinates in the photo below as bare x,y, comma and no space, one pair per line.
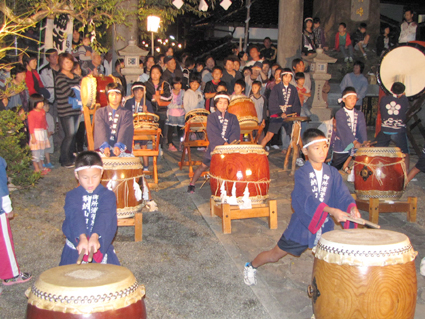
319,191
90,214
222,129
113,128
283,100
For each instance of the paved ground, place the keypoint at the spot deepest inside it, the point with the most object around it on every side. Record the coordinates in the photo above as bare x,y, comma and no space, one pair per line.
189,268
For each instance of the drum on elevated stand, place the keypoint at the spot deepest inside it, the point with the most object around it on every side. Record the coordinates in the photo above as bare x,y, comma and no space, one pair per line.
361,273
237,168
92,291
379,172
93,90
244,109
146,121
197,119
124,176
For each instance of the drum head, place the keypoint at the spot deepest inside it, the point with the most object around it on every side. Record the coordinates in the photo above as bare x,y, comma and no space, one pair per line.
85,289
363,247
115,163
242,148
405,64
88,91
380,151
196,112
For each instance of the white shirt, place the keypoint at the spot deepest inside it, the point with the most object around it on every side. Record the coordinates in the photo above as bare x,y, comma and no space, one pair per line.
351,114
319,175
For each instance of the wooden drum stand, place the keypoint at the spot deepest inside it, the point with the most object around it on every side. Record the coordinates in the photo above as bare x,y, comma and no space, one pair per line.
296,142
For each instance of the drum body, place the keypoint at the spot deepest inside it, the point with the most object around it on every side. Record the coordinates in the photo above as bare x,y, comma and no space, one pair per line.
244,109
198,119
239,167
93,89
124,175
361,273
406,64
379,172
86,291
146,120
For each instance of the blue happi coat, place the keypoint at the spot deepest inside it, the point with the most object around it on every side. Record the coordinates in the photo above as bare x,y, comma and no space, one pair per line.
281,96
88,213
221,130
309,220
346,133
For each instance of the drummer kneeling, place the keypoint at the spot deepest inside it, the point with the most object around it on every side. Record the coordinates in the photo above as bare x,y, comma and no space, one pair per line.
222,129
90,214
319,191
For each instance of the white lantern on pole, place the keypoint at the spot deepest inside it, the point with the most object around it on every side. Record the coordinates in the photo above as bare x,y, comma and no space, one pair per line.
153,26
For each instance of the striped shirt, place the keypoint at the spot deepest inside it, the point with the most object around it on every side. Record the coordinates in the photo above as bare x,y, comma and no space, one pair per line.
63,88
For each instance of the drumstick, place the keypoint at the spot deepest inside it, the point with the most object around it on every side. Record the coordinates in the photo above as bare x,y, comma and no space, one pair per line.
81,256
235,142
292,114
362,221
90,259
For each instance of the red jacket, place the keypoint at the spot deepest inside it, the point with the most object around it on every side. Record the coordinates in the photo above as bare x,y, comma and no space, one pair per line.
347,40
29,80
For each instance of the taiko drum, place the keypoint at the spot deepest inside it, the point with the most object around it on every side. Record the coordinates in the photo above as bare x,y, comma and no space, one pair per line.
124,176
244,109
360,273
240,166
379,172
90,291
93,89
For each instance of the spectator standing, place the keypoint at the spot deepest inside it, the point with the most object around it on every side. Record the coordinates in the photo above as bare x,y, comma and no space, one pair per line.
94,66
32,78
269,51
358,81
255,56
107,63
230,76
68,116
119,64
319,34
385,41
206,74
408,27
48,74
309,40
171,69
17,85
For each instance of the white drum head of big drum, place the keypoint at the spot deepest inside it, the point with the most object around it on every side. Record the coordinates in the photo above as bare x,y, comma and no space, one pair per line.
405,64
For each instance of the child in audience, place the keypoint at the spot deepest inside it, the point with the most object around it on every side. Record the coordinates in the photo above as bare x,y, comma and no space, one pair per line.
239,90
175,114
360,39
211,86
343,42
221,87
50,131
193,98
37,125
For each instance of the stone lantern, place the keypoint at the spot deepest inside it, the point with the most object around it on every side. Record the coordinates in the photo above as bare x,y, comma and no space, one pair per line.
131,54
318,71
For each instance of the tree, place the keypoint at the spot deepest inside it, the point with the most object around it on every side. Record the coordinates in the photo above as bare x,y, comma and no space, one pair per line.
18,15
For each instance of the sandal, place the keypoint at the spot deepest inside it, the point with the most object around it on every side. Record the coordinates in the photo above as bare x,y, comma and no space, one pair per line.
45,171
21,278
191,189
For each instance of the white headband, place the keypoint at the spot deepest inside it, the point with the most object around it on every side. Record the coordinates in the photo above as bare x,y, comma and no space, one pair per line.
286,72
86,167
137,86
315,141
113,90
224,96
348,94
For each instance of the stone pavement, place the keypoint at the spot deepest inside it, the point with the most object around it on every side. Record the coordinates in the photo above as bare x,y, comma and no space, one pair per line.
282,286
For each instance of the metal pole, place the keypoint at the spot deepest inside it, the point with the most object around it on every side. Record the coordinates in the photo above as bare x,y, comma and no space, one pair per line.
153,53
248,9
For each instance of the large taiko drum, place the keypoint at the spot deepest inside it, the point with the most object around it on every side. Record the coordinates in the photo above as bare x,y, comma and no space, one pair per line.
379,172
93,89
405,63
197,118
241,167
244,109
361,273
124,176
92,291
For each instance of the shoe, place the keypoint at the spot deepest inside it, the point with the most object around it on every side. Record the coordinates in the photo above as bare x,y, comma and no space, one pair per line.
152,206
267,148
172,148
21,278
201,148
299,162
276,147
191,189
48,165
346,60
422,267
146,170
350,59
45,171
249,274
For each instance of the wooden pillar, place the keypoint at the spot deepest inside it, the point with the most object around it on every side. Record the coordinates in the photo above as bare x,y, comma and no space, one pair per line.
290,31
